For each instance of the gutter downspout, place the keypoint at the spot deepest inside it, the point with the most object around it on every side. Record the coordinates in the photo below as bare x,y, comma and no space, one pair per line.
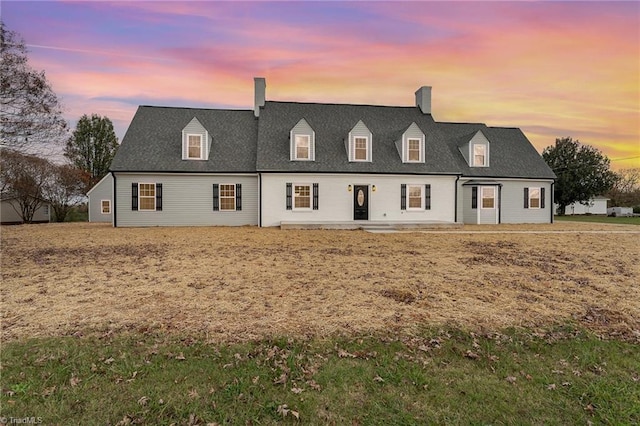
259,200
455,200
113,194
552,201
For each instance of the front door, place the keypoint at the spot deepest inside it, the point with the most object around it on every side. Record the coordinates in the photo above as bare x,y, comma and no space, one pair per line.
360,202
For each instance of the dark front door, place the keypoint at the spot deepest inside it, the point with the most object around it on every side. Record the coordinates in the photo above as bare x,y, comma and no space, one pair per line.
361,202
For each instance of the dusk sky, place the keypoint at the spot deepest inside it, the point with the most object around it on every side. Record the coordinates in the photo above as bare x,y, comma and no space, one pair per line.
554,69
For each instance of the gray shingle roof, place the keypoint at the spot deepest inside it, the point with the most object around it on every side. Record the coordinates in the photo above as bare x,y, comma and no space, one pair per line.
153,141
332,123
242,143
510,152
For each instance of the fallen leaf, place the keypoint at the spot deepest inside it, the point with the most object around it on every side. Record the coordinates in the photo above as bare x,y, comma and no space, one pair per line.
109,360
193,394
255,380
344,354
180,357
471,355
313,385
74,381
297,391
143,401
511,379
552,386
281,380
49,391
295,414
378,379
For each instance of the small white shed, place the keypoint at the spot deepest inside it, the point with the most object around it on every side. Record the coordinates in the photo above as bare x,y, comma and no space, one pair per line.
597,205
101,200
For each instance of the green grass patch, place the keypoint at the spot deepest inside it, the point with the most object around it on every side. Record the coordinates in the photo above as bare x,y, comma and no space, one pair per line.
436,377
600,219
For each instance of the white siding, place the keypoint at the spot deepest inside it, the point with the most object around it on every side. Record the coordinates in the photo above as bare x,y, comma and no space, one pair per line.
511,203
102,191
336,202
187,200
596,206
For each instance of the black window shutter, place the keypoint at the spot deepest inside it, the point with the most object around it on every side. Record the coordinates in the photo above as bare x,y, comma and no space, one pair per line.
427,197
289,190
158,197
315,196
134,196
542,198
403,196
526,198
474,197
216,199
238,196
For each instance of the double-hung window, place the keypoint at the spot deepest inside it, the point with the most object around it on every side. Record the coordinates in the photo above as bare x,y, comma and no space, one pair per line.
227,197
415,197
301,197
302,147
488,197
413,150
534,198
194,147
105,206
361,147
147,196
479,155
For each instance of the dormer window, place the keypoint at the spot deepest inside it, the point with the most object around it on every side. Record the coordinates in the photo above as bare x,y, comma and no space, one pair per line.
413,150
302,139
361,145
302,148
194,148
479,155
196,142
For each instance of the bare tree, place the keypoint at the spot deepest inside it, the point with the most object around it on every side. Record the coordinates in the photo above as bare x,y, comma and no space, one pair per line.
64,189
24,178
30,112
626,189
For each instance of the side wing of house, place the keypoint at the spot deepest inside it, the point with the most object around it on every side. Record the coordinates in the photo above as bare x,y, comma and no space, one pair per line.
186,167
101,200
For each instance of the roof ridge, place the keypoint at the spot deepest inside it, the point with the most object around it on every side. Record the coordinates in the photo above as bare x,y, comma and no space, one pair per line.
343,104
194,108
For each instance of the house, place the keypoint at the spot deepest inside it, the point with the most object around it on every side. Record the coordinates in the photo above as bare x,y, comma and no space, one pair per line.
10,211
100,199
315,163
596,205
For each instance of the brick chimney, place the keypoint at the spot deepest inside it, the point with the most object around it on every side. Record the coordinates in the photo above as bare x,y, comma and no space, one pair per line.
260,93
423,99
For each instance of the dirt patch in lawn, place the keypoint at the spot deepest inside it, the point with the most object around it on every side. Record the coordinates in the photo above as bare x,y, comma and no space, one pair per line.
247,283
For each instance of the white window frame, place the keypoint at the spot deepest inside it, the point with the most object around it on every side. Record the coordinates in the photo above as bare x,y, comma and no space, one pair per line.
295,147
419,140
531,197
366,145
188,141
484,155
482,197
108,206
294,197
140,196
226,197
422,195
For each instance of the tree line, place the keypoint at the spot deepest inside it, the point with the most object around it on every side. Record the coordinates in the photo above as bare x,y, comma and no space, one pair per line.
31,126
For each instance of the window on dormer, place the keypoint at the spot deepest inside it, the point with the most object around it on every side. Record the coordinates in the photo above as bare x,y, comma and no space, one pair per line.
413,149
194,148
479,155
302,147
361,147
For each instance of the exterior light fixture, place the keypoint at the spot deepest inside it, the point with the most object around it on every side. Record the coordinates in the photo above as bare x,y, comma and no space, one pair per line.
349,188
373,188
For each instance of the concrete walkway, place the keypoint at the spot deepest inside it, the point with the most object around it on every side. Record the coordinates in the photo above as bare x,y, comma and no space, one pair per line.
421,231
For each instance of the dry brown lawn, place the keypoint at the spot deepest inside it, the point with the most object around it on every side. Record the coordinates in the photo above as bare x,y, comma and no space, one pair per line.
232,284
